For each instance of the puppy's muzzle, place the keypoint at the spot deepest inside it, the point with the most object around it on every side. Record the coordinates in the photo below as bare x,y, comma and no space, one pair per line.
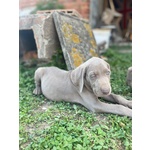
105,91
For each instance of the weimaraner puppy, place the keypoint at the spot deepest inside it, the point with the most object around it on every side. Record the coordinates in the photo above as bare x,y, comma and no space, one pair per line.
82,85
129,77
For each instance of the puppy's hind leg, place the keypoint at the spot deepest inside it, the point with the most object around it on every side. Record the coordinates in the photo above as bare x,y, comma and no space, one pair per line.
37,78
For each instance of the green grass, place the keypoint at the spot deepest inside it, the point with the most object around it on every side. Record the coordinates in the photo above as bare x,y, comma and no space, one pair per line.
47,125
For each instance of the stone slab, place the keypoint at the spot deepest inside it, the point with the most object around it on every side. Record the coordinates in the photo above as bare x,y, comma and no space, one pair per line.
76,38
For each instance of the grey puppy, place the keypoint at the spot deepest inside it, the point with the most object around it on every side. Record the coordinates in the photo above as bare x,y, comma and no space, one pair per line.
129,77
82,85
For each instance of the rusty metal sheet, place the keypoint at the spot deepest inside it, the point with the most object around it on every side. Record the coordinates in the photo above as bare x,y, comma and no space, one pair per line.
76,38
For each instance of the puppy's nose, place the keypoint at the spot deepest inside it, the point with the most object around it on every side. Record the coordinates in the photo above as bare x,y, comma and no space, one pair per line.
105,91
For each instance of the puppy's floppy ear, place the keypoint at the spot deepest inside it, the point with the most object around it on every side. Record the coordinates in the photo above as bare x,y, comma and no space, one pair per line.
77,77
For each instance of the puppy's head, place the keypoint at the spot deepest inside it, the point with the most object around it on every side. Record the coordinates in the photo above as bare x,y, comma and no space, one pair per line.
95,75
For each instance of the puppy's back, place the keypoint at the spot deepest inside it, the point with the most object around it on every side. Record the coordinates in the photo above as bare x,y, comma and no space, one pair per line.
55,83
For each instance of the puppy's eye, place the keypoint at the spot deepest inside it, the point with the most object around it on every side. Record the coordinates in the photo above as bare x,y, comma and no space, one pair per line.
92,76
108,73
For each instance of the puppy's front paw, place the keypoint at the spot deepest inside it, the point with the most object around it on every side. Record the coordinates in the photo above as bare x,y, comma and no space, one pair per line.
37,91
130,104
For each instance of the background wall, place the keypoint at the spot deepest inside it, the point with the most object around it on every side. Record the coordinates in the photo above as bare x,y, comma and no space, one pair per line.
82,6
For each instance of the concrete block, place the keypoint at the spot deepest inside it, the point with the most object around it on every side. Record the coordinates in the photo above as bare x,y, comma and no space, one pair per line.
45,34
46,38
26,22
71,12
